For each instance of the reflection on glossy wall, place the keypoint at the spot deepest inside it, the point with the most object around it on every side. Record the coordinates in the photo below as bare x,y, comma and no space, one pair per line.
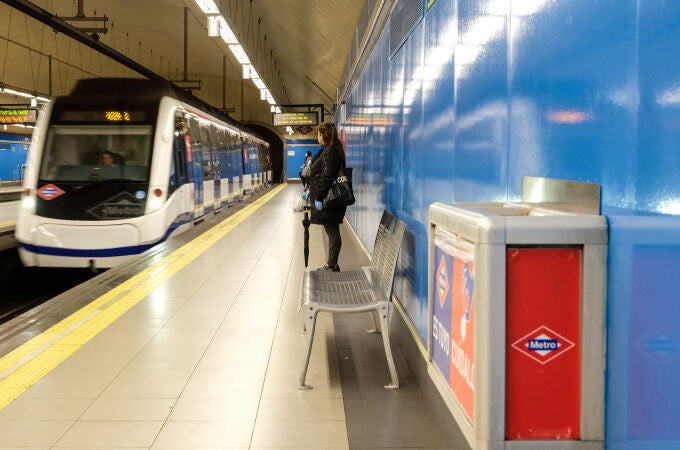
484,92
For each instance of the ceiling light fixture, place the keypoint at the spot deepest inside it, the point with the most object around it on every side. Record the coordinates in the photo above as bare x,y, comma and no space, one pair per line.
218,26
213,26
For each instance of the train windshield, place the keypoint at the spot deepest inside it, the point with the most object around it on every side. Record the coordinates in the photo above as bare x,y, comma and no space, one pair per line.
97,153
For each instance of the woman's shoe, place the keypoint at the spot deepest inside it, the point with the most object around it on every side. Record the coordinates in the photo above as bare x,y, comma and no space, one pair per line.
328,268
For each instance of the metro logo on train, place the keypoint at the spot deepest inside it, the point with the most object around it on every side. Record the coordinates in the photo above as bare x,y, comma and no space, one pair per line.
50,192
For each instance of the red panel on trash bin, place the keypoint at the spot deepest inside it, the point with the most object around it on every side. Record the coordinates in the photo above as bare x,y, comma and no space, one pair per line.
543,349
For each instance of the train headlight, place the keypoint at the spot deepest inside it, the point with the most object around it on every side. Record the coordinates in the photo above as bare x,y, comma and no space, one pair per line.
28,203
156,200
28,199
154,204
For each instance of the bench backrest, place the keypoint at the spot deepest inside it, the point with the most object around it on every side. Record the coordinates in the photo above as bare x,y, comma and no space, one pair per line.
386,251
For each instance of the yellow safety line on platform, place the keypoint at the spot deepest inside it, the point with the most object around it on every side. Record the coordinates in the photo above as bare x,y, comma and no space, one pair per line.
8,224
28,363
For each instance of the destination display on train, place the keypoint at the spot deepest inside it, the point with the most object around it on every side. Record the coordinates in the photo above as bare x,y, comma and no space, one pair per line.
18,116
111,115
295,118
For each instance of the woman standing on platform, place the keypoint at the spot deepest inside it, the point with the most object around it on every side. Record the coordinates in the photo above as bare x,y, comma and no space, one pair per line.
323,171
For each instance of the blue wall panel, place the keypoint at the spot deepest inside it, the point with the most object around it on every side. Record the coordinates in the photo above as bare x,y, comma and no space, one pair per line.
484,92
13,151
480,160
295,157
408,284
657,160
571,114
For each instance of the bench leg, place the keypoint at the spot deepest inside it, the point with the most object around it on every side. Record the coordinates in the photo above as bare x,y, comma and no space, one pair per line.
310,325
385,317
374,316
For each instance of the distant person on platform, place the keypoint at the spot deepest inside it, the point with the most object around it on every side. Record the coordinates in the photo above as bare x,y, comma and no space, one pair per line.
305,169
323,171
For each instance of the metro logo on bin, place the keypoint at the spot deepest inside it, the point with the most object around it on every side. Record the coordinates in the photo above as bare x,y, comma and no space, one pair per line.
543,345
442,282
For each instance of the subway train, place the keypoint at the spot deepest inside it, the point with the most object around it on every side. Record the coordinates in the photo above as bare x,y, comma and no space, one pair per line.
120,165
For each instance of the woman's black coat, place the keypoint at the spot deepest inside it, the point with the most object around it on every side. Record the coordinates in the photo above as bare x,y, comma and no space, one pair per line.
323,171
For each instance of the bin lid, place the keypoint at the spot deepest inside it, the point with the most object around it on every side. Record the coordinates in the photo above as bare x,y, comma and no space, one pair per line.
518,223
552,212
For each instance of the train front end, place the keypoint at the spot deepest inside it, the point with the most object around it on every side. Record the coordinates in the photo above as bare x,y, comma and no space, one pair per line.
89,198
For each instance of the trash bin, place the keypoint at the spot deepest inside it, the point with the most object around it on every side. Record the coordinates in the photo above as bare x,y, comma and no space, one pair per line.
517,316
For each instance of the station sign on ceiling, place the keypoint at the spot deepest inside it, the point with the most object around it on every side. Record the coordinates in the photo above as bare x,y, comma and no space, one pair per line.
18,116
295,119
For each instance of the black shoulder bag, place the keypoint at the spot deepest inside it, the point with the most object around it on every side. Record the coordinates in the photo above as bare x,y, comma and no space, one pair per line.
341,193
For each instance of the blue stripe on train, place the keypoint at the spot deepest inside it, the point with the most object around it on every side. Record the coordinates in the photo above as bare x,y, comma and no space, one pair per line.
107,252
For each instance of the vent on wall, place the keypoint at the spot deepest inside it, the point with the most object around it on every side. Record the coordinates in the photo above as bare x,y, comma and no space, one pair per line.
404,17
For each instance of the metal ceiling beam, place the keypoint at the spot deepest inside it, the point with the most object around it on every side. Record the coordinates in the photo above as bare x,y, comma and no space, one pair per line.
59,25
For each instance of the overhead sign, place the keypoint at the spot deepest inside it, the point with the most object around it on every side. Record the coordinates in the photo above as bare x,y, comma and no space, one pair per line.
17,116
294,119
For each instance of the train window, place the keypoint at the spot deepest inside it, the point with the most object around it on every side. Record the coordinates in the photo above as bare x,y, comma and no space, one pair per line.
96,153
194,131
204,149
173,182
207,164
214,135
221,153
205,134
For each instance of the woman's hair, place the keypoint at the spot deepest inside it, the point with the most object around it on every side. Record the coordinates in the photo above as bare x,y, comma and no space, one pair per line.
329,135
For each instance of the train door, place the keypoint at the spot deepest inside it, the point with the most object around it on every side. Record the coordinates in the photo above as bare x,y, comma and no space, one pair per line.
215,167
236,148
222,155
247,173
196,165
180,176
207,167
233,167
257,156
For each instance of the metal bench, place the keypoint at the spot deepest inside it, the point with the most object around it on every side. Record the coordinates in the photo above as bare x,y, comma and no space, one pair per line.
366,290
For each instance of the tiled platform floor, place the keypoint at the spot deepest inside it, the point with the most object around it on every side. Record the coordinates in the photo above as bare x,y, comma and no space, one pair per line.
210,359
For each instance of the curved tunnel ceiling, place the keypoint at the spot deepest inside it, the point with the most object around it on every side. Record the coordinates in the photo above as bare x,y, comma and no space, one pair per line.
300,47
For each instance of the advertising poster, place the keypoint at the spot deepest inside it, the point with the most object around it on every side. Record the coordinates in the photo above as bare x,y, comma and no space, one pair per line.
452,339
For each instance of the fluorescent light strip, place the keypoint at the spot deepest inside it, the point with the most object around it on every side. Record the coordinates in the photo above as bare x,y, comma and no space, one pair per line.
208,6
218,26
20,94
226,32
34,98
239,53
